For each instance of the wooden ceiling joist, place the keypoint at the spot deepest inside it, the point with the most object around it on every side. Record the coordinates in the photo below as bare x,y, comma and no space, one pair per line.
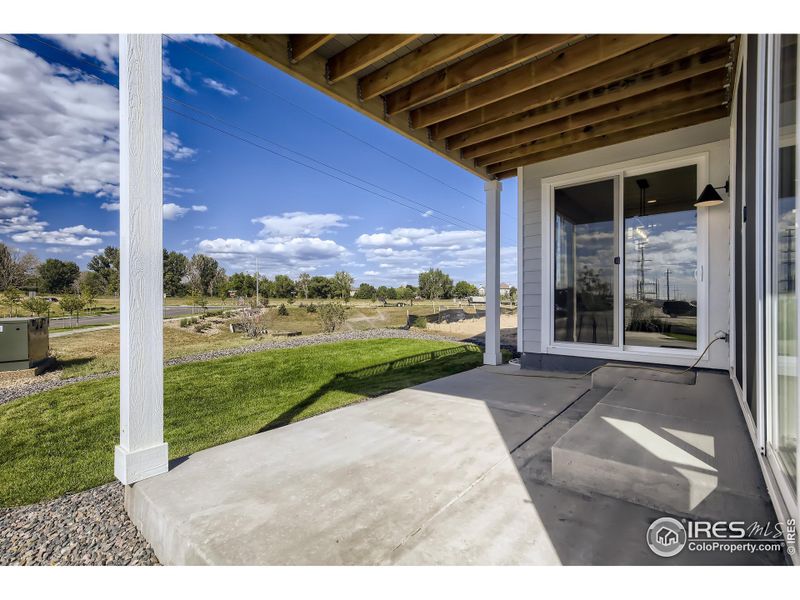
301,45
506,54
363,53
590,142
675,93
662,77
648,57
429,56
491,105
570,60
605,125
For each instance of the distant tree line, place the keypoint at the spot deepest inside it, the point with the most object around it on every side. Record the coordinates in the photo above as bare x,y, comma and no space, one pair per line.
202,276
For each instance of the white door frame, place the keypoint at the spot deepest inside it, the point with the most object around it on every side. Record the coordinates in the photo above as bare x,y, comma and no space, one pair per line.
617,172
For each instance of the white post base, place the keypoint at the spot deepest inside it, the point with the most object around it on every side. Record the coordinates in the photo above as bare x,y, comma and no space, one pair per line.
492,358
130,467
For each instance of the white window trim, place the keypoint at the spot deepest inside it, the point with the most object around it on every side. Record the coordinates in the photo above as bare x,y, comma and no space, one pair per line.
617,171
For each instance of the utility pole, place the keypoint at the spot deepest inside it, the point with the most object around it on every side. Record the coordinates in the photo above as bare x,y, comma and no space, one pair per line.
257,278
668,272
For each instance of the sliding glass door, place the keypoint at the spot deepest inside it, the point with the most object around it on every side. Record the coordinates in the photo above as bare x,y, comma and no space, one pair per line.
782,408
584,250
661,259
626,268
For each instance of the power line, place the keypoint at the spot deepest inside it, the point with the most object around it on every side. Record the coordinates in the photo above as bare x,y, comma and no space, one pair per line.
289,158
446,217
324,164
322,119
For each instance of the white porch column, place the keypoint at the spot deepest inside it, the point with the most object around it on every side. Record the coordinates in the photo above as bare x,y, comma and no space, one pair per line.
141,452
492,355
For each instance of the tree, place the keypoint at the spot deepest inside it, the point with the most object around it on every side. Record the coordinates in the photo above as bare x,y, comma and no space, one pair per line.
406,292
203,272
176,266
303,284
91,285
331,315
386,293
10,298
320,287
434,284
36,306
16,269
243,284
512,294
282,287
366,292
106,265
342,283
72,304
464,289
57,275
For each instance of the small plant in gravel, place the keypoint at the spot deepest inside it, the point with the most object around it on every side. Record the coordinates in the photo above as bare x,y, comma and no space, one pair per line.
283,311
420,322
331,316
311,308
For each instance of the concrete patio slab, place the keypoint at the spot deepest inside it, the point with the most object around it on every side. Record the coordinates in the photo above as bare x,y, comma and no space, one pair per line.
454,471
677,448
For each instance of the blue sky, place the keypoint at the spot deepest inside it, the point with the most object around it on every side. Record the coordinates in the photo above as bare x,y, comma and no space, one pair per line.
223,196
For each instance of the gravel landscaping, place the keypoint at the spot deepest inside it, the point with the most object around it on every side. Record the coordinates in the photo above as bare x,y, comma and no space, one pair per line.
87,528
51,381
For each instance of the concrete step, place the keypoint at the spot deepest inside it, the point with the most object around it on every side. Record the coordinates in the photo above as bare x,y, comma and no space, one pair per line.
661,445
610,375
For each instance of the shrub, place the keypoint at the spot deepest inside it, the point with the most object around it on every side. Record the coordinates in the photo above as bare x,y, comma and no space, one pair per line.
184,322
312,308
420,322
250,321
283,311
331,316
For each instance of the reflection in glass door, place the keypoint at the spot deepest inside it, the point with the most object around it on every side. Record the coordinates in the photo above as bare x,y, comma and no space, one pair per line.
782,425
661,259
584,250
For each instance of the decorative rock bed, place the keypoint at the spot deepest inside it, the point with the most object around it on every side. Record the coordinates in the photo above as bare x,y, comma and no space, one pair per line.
87,528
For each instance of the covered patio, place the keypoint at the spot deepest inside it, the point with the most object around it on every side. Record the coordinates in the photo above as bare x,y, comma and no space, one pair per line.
500,465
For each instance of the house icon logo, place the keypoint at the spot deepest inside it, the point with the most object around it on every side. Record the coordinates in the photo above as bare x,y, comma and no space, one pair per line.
666,537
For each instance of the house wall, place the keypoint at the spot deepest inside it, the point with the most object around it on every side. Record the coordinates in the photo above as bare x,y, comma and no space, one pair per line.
709,137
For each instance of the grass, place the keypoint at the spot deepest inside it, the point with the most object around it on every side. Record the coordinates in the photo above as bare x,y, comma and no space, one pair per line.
62,440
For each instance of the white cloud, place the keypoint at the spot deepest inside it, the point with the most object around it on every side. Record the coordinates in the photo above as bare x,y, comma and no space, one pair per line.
199,38
174,211
220,87
110,206
174,148
77,235
58,128
102,47
293,224
427,213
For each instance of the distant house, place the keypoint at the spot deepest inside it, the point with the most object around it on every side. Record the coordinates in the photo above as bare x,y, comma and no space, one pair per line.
481,290
505,289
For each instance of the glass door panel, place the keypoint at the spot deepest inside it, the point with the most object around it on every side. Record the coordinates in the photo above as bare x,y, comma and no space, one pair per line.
661,245
584,250
782,432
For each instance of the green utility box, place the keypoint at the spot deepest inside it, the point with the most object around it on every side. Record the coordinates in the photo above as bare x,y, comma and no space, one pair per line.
24,342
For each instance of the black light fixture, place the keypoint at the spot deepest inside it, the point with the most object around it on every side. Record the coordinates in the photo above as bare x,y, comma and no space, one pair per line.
710,197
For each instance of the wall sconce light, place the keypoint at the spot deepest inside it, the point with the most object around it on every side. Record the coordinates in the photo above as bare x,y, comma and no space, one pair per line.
710,197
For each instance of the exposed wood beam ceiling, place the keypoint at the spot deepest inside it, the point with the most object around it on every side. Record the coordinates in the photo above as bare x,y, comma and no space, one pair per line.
303,44
492,103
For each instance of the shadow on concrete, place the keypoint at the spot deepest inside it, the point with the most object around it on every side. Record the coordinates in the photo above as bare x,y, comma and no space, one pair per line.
383,378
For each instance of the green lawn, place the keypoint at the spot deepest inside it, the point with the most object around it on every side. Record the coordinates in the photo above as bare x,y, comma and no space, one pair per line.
62,440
